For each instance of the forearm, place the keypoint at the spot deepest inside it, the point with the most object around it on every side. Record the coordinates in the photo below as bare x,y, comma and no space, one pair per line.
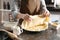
43,5
44,9
18,16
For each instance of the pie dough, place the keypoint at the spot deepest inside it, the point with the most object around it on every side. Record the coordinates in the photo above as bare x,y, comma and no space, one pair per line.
38,23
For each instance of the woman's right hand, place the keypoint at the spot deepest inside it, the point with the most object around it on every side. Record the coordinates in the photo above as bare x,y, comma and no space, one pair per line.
27,17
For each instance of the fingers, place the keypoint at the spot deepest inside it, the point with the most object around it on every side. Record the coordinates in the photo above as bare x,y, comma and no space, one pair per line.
46,14
27,17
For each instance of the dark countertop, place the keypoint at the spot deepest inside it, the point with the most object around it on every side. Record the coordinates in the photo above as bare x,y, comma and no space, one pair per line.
49,34
43,35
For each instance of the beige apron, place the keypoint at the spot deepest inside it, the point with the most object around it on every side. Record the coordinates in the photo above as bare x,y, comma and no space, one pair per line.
32,4
38,23
31,7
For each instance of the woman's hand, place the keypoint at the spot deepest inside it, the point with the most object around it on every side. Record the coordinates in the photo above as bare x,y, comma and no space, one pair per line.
27,17
46,14
24,16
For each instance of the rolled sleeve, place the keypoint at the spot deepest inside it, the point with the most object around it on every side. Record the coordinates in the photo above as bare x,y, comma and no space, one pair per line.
14,9
43,5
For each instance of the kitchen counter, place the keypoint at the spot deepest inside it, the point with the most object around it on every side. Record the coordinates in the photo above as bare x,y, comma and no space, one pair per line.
49,34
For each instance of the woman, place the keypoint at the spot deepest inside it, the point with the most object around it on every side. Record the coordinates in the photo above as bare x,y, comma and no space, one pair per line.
29,7
22,9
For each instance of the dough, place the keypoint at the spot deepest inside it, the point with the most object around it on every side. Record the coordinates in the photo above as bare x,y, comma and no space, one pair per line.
38,23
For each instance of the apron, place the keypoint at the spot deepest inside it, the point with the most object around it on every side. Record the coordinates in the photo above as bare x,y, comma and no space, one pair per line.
32,7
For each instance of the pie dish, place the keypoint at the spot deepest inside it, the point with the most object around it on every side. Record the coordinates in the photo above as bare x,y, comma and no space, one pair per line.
38,23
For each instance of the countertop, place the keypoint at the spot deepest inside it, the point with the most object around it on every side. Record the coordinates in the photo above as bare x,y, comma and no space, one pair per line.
49,34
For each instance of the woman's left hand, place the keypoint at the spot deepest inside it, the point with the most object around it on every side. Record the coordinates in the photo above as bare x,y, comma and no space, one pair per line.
46,14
